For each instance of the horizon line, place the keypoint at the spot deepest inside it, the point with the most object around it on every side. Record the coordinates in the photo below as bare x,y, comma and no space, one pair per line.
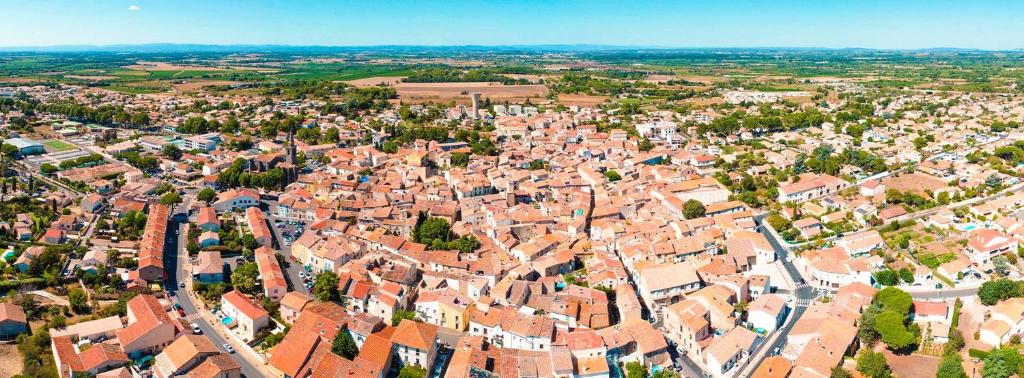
582,46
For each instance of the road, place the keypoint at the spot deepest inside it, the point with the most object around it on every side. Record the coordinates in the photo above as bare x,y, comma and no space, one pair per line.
175,258
802,294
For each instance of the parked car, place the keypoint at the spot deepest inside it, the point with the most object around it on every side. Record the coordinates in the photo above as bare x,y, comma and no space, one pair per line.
196,329
181,284
228,348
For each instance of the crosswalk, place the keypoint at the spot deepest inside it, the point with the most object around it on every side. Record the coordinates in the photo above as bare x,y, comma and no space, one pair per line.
801,286
803,302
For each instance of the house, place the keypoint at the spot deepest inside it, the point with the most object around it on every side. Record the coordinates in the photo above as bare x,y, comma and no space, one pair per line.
445,308
73,361
931,311
209,238
415,343
247,317
182,355
149,328
316,327
809,227
208,267
207,219
12,321
1005,319
726,352
985,244
216,366
773,367
257,223
274,283
235,199
767,312
810,186
151,248
688,324
292,304
91,203
872,188
666,283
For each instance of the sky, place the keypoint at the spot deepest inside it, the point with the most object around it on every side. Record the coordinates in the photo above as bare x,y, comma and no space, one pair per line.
890,24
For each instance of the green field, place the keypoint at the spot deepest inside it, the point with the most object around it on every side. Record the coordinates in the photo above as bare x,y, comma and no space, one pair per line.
57,146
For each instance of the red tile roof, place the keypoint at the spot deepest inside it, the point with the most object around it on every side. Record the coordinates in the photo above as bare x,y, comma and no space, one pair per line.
245,305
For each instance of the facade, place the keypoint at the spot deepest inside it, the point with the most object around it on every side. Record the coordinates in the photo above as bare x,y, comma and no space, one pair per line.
247,317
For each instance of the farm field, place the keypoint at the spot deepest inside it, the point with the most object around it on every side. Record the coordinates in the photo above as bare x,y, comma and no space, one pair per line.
453,91
54,145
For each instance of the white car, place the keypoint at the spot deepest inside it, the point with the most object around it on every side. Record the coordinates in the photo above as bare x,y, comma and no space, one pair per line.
195,329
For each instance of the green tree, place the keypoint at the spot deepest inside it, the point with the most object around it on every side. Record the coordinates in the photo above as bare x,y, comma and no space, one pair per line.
412,371
693,209
78,301
244,278
895,300
400,315
207,195
170,198
171,152
873,364
48,169
951,367
887,277
839,372
8,150
432,228
894,333
325,288
906,275
635,369
991,292
1002,363
343,345
612,176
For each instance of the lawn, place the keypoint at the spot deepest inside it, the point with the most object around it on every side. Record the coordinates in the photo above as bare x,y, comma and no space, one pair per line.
58,146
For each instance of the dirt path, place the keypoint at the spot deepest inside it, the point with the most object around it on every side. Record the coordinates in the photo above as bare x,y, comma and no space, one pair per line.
10,360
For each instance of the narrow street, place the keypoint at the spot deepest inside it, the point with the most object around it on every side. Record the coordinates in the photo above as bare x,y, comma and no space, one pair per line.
175,260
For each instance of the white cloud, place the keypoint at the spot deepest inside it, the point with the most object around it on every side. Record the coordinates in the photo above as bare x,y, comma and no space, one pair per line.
134,8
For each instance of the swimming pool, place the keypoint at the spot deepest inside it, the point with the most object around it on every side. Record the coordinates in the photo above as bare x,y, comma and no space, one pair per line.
226,320
969,227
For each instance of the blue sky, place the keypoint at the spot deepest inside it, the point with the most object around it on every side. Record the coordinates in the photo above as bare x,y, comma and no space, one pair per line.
737,23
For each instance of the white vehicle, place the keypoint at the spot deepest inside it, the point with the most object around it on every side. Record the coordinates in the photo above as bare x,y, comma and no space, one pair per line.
195,329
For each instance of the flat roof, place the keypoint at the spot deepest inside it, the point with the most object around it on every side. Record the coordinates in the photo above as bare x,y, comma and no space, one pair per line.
22,143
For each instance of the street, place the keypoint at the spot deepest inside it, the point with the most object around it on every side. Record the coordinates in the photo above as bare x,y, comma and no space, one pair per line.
175,258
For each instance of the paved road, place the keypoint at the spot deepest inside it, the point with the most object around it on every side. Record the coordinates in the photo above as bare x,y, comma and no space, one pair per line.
803,294
175,258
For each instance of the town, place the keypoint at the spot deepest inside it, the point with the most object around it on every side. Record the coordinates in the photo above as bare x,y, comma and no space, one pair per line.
574,219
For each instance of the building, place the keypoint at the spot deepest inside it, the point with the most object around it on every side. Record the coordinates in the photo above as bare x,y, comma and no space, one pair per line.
415,343
258,226
810,186
26,146
205,142
666,283
292,304
767,313
728,351
274,284
182,355
12,321
208,267
237,198
244,315
151,248
207,219
149,328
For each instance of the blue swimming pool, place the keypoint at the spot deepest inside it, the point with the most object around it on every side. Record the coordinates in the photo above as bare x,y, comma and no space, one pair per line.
226,320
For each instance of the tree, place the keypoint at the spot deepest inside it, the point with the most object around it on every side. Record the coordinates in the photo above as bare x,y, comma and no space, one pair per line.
249,242
991,292
612,176
895,300
1001,264
906,275
400,315
207,195
77,299
8,150
244,278
343,345
1002,363
432,228
951,367
886,277
170,198
171,152
325,288
894,333
635,369
693,209
839,372
48,169
873,364
412,371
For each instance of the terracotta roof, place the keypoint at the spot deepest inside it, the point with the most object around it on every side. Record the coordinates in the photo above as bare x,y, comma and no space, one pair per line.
148,314
215,365
245,305
376,350
12,312
415,334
